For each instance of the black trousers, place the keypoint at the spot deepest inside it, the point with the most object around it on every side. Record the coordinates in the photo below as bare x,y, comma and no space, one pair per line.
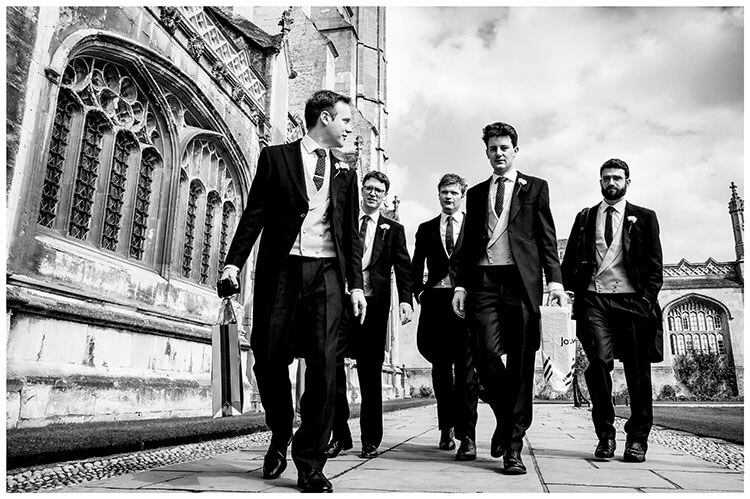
453,376
365,343
610,326
304,322
502,323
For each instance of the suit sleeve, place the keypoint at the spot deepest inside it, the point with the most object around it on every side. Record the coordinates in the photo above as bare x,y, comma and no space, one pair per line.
251,222
351,236
417,263
571,257
653,275
547,238
402,265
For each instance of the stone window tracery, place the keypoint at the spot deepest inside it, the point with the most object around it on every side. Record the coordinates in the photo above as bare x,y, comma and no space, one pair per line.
695,325
104,160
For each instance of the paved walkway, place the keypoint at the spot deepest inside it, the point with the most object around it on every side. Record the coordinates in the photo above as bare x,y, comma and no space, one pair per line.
558,454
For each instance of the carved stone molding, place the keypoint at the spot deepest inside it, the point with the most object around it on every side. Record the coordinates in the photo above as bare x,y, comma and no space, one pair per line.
196,47
219,70
168,19
238,94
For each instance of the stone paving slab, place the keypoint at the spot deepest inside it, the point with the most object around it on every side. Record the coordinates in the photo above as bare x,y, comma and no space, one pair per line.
558,454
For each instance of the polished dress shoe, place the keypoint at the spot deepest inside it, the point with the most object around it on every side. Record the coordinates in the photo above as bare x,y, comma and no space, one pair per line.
496,447
446,440
313,481
635,452
512,463
605,449
369,451
336,446
467,451
274,464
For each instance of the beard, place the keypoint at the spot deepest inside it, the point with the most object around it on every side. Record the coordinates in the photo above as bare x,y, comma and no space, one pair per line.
612,192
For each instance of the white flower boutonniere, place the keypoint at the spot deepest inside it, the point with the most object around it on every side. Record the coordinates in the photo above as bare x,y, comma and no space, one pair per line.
521,184
631,221
384,228
341,167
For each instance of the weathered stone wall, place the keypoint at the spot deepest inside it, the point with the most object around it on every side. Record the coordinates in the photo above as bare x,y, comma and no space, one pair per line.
95,335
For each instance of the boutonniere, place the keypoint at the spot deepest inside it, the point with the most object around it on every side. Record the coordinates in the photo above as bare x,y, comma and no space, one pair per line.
631,221
341,167
521,183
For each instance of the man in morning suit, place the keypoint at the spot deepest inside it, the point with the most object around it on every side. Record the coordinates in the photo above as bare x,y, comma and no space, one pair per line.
509,239
306,208
613,264
442,337
384,248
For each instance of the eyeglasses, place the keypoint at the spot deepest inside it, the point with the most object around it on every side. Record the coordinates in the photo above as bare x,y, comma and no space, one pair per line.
372,188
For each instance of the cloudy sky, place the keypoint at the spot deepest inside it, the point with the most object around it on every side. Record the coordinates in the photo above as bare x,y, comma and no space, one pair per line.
661,88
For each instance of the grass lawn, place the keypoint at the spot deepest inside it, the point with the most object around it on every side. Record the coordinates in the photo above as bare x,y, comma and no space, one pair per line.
65,442
726,423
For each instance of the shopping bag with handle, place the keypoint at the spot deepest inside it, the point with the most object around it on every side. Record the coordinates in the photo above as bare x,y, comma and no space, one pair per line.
226,364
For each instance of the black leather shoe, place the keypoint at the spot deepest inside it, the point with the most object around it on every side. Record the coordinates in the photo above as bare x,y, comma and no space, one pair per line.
274,464
605,449
496,447
313,481
635,452
467,451
512,463
336,446
369,451
446,440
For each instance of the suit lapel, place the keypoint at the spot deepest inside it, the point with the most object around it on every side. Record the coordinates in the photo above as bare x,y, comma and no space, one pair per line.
519,192
480,203
377,243
626,229
293,157
334,182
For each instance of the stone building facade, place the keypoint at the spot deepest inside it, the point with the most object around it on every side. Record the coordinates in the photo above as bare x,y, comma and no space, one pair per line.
133,135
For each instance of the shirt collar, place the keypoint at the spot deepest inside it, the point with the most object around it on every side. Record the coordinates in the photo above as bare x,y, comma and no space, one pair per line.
618,206
309,145
374,217
458,216
510,175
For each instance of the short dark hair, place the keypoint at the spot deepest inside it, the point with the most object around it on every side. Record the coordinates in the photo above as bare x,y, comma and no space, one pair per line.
322,100
452,178
379,176
499,129
615,163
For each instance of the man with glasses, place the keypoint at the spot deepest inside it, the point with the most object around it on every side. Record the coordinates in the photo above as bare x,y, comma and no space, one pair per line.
384,248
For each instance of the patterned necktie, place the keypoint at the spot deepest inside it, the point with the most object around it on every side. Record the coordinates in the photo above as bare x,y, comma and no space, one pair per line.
320,168
499,195
449,235
608,226
363,227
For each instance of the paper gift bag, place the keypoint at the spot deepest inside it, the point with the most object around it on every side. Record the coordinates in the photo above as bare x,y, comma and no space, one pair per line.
558,347
226,364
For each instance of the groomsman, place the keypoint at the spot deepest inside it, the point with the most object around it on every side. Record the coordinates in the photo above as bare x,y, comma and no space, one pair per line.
613,264
305,214
442,337
509,243
384,244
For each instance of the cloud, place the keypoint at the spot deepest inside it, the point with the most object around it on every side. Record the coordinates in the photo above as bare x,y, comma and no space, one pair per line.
661,88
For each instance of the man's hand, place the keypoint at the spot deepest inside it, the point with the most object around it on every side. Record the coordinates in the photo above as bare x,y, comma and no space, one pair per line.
404,311
360,304
228,284
458,303
557,296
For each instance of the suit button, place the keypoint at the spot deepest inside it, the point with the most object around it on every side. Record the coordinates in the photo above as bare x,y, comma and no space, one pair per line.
302,215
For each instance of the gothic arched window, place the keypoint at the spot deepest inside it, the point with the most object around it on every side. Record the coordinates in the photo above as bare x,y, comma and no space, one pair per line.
207,219
104,160
701,329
